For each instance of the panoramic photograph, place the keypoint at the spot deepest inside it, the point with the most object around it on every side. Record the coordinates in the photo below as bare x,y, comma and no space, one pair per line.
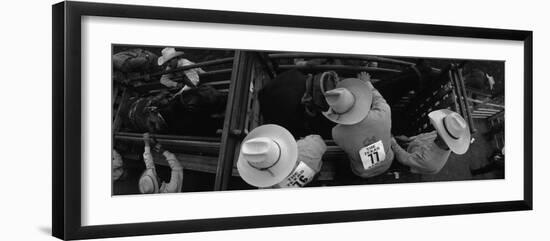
198,119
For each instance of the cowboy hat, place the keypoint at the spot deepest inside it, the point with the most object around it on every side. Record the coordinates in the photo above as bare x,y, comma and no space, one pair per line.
268,155
452,128
349,102
168,54
148,182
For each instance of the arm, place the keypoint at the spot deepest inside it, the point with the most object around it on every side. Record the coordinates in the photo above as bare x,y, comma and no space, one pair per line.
416,161
147,156
379,105
176,176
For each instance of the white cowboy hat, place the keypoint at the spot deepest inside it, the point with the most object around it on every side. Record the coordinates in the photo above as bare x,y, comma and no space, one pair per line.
268,155
349,102
452,128
168,54
148,182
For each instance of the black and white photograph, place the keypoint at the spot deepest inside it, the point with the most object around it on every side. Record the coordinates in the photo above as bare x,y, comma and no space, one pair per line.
227,119
188,119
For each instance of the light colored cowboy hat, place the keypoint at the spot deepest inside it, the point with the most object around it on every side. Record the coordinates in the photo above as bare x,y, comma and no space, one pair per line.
168,54
268,155
452,128
349,102
148,182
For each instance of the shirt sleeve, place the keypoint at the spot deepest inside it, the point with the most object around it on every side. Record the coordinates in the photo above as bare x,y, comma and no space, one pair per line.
379,105
148,157
176,176
172,160
416,160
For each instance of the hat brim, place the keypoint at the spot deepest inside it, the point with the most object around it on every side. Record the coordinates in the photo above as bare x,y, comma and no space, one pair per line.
285,165
163,59
458,146
363,100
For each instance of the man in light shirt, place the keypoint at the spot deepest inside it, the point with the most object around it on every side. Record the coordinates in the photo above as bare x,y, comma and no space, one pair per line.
173,59
427,153
149,181
364,125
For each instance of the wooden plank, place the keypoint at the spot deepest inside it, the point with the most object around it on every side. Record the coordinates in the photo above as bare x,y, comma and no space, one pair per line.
234,117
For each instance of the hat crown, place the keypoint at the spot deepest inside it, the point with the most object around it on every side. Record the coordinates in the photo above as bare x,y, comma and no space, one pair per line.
146,184
340,100
261,152
168,51
455,125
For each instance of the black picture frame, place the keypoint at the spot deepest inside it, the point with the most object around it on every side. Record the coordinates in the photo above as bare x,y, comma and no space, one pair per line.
66,129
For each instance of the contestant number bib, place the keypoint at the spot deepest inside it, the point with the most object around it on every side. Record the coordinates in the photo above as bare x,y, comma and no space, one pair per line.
301,175
372,154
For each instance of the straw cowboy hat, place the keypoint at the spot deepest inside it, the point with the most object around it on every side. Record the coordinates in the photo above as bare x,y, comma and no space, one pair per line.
452,128
148,182
168,54
349,102
268,155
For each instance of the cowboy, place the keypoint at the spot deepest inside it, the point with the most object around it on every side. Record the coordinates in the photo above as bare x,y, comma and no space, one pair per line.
295,101
310,152
271,157
427,153
149,181
117,166
363,125
174,59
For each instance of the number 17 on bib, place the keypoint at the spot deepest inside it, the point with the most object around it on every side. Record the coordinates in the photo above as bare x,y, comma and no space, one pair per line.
372,154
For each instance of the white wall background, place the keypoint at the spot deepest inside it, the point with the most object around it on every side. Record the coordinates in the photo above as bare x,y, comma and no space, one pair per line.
25,210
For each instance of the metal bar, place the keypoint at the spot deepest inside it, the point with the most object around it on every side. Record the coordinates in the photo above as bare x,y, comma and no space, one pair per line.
176,145
483,112
183,68
215,72
223,82
234,117
338,67
491,110
339,56
172,137
188,162
485,103
206,75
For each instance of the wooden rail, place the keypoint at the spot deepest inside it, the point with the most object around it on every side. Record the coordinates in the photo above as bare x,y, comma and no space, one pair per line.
339,56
